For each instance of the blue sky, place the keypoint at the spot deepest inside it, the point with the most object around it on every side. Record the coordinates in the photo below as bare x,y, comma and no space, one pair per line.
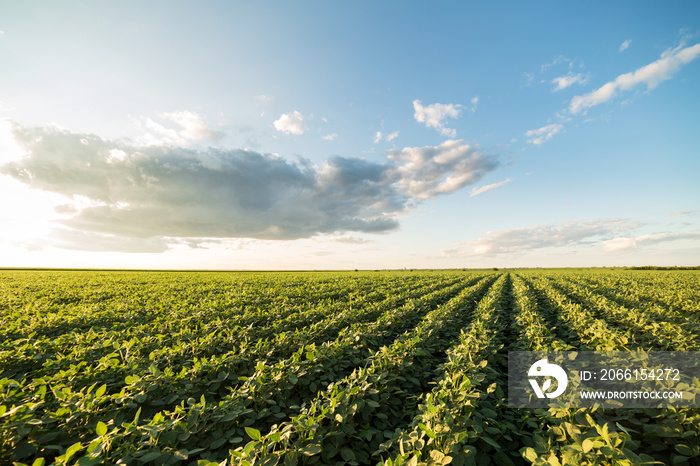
317,135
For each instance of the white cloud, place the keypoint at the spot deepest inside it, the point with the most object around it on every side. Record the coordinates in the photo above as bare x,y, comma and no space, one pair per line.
346,239
193,126
476,191
389,137
634,242
475,103
609,234
625,45
425,172
330,137
559,60
545,133
178,128
434,115
115,155
68,238
265,99
651,75
570,79
681,212
290,123
545,236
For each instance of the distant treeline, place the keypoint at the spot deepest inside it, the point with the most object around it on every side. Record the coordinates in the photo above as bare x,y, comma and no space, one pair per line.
654,267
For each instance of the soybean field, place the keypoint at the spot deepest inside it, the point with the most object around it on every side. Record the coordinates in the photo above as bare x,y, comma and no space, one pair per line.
327,368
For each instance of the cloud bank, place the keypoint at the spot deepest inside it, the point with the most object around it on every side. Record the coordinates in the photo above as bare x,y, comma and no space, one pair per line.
544,236
118,190
633,242
610,235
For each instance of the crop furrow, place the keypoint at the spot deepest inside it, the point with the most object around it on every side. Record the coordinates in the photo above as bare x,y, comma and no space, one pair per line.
454,422
576,323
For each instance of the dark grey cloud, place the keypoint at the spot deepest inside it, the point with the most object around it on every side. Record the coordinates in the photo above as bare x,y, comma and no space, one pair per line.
123,191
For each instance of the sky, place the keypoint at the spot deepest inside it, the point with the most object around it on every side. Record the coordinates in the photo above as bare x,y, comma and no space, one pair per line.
343,135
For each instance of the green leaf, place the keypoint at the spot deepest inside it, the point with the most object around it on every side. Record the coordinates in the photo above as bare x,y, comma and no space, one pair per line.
271,460
249,447
89,461
347,454
501,459
427,431
217,443
253,433
23,450
684,449
310,450
94,445
587,445
150,456
101,428
101,391
491,442
72,450
529,454
39,462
